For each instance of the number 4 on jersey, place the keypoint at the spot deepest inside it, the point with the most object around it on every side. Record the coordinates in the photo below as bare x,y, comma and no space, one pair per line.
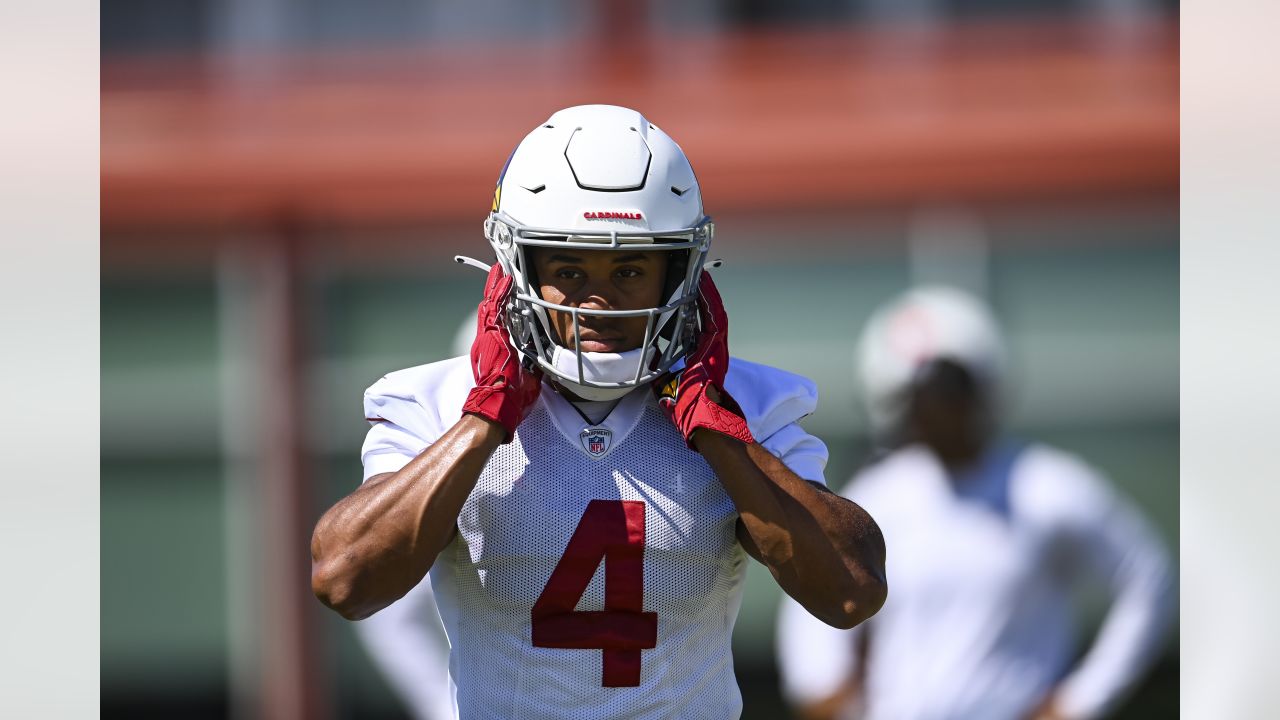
613,531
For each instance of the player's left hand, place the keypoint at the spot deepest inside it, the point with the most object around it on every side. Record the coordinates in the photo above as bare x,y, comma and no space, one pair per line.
695,397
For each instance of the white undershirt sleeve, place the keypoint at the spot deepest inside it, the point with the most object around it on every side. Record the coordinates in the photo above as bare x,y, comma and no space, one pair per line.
803,453
410,409
1116,544
388,448
774,402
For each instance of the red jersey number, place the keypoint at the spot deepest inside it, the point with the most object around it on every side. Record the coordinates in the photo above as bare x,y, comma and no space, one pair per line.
612,531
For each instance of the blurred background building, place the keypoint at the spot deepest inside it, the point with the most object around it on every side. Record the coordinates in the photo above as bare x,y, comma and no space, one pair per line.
285,182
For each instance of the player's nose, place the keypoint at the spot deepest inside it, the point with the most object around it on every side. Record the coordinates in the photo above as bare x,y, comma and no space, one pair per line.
598,296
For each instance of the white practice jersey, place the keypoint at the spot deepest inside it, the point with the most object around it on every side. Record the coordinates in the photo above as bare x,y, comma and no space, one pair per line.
979,620
596,571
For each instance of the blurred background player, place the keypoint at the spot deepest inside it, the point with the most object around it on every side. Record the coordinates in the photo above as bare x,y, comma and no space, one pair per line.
989,541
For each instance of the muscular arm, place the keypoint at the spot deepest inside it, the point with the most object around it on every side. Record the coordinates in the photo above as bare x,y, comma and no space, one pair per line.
378,542
825,551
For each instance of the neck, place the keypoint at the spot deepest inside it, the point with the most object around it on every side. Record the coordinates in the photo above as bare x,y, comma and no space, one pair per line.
566,393
573,397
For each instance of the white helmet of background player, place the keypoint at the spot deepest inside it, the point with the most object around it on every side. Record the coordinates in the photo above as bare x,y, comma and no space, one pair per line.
600,178
921,326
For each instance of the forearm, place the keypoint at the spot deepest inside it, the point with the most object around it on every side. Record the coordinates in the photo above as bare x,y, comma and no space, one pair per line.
1117,546
1127,644
375,544
823,550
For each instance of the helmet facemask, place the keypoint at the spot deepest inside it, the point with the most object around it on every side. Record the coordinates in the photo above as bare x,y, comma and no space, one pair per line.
670,330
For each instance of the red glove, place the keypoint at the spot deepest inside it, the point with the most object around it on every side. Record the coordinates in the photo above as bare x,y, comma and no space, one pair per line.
504,390
684,396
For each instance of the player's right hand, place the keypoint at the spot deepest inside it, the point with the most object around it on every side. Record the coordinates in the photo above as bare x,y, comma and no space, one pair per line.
504,389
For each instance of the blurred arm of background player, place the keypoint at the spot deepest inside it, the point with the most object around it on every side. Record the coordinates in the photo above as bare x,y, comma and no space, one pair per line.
1114,545
408,644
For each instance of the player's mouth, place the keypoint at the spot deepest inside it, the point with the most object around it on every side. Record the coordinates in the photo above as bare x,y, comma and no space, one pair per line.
596,341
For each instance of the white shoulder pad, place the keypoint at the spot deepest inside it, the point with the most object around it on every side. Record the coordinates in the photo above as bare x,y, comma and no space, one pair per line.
771,399
425,400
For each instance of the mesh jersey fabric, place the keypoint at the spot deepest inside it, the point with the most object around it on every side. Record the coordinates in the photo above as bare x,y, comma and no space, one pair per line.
528,506
513,530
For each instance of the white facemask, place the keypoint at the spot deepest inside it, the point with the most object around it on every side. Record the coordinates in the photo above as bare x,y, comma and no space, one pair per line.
600,368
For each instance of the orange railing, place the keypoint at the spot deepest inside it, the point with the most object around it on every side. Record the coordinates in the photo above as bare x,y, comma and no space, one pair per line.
783,120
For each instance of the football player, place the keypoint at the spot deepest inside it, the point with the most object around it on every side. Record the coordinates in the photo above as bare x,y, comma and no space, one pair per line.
585,487
990,539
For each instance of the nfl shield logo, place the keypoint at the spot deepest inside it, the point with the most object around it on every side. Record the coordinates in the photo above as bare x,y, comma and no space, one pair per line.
596,441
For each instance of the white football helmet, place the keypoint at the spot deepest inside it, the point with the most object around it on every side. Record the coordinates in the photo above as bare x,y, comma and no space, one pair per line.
600,178
924,324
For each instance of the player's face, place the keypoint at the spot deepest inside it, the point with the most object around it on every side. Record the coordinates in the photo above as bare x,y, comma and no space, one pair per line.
600,280
949,413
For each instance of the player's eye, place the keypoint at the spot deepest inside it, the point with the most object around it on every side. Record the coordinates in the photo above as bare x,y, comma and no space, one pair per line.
569,274
629,273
